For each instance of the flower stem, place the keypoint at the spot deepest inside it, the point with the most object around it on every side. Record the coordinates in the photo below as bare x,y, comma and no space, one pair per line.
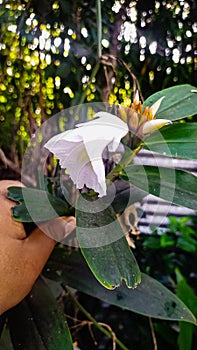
126,159
92,319
99,28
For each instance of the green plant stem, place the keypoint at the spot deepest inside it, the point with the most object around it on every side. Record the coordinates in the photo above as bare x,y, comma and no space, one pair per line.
99,28
126,159
94,322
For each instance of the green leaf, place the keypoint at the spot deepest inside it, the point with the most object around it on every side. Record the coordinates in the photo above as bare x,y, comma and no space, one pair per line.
21,214
188,244
36,205
2,323
185,336
24,334
15,193
152,243
126,194
180,102
103,244
187,295
5,340
149,298
42,324
176,186
176,140
166,241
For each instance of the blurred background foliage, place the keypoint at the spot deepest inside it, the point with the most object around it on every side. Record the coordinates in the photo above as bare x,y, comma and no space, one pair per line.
50,59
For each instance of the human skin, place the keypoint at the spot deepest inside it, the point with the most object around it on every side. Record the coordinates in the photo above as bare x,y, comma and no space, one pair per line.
22,258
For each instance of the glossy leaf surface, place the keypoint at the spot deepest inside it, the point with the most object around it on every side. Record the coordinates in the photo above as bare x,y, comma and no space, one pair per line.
104,245
36,205
180,102
149,298
176,140
176,186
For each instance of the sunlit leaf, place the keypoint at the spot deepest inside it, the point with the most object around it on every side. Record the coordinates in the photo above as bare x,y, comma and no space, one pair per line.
176,140
180,102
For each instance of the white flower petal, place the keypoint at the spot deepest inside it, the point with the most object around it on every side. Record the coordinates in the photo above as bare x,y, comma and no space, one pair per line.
105,118
137,97
153,125
156,105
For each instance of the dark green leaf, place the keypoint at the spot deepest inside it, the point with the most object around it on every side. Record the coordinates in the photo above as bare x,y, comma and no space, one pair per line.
126,194
38,323
36,205
15,193
179,102
176,186
103,244
5,341
186,294
2,323
49,319
149,298
23,330
21,214
177,140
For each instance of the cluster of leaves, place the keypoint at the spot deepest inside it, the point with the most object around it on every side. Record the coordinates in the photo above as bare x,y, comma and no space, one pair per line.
168,264
42,324
110,248
169,257
182,236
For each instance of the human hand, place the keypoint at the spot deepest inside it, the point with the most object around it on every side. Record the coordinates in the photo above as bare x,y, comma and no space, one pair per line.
22,258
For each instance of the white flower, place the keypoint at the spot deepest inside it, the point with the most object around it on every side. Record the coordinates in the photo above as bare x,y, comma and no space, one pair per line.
80,150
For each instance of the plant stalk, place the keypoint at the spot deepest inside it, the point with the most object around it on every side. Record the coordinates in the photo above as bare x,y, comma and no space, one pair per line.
99,28
92,319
